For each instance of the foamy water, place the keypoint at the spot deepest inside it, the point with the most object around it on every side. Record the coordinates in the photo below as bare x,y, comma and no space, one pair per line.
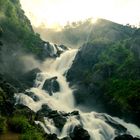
64,101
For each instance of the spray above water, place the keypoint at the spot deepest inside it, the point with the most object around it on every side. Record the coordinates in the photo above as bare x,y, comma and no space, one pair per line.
63,100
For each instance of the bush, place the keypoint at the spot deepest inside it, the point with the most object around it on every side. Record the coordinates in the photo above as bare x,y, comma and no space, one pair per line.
3,125
19,124
31,135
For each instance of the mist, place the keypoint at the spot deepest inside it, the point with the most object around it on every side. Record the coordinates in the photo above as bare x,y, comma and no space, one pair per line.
16,62
72,35
75,34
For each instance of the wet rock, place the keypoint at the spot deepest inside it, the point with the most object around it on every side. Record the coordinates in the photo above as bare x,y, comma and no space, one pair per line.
29,77
79,133
74,113
53,114
32,95
24,111
54,50
51,137
119,129
58,118
125,137
59,121
63,113
51,85
55,86
66,138
51,48
63,47
43,112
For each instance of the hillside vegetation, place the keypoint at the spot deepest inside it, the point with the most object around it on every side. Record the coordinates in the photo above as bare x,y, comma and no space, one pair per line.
16,29
75,34
108,75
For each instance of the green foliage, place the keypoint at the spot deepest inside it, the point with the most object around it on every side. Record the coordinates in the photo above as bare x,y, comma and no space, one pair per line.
122,84
109,73
19,124
17,28
3,125
124,91
31,135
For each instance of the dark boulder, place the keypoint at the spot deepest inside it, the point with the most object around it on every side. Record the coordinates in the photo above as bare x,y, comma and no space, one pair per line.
66,138
32,95
58,118
51,137
125,137
43,112
53,114
74,113
54,50
63,47
24,111
29,77
55,86
79,133
51,85
59,121
51,49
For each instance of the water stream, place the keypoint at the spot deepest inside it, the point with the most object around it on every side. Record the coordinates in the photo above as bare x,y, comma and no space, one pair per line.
63,100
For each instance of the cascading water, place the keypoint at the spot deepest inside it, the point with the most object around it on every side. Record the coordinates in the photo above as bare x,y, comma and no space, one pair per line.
63,100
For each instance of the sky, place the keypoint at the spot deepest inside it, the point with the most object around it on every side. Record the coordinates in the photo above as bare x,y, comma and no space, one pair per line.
53,13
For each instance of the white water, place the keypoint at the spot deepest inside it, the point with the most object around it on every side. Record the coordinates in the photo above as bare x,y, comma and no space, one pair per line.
64,101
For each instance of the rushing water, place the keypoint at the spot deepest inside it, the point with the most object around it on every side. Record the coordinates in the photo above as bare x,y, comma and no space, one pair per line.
63,100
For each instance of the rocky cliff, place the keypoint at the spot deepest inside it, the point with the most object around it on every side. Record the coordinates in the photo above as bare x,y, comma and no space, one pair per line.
106,77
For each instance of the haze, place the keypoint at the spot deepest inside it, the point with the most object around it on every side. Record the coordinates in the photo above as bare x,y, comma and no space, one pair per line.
55,13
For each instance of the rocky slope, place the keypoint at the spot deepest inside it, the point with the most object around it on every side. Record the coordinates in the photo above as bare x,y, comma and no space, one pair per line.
106,77
19,47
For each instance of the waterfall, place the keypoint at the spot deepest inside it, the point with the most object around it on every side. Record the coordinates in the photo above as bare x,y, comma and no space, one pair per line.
63,100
